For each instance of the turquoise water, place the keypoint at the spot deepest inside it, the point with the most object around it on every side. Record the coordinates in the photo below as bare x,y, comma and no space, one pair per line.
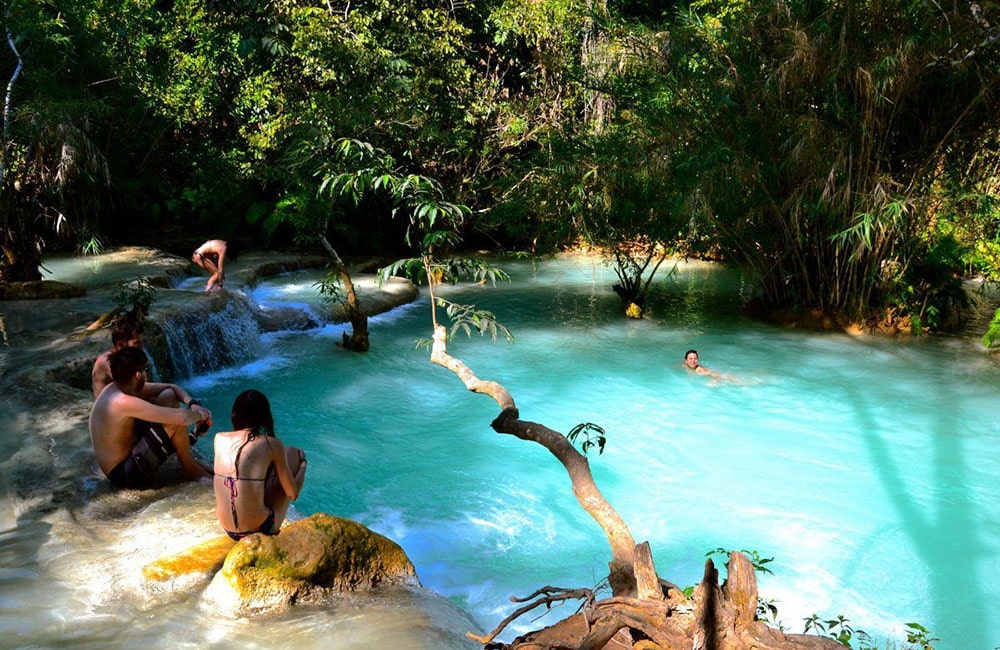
866,467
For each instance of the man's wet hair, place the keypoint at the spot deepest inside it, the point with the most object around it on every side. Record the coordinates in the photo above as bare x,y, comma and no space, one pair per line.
124,330
690,352
126,362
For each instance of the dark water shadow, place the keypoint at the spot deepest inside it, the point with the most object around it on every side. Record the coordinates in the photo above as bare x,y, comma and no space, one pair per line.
947,528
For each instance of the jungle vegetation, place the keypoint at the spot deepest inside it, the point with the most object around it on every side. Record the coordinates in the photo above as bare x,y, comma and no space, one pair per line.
843,155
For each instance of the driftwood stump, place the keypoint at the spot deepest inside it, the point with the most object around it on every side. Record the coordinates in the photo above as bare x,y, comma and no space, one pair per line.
716,618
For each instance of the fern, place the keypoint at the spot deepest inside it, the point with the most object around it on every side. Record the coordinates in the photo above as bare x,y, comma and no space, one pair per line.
992,331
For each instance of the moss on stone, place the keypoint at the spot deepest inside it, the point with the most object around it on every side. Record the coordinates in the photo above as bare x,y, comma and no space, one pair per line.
206,557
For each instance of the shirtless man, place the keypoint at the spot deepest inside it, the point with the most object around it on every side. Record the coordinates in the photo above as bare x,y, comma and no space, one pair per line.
131,436
127,332
211,256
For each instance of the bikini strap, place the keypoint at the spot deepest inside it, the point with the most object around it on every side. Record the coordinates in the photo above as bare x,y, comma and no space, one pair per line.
233,492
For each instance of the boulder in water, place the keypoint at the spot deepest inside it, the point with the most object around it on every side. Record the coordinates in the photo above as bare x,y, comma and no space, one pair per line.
308,561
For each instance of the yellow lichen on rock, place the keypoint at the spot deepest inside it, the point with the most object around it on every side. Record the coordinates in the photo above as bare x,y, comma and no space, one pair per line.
206,557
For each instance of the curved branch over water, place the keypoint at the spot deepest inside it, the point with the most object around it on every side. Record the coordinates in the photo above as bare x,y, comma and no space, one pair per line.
623,548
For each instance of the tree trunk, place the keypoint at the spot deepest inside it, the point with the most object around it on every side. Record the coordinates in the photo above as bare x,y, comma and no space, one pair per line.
6,103
598,106
357,341
631,260
20,259
622,574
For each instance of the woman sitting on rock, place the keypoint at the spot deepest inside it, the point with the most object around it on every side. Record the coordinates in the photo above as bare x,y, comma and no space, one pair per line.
253,480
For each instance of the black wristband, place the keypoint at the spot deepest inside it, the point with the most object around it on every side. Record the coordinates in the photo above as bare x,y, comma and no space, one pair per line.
193,403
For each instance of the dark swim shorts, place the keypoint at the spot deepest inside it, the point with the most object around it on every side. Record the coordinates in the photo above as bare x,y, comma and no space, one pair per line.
139,467
211,257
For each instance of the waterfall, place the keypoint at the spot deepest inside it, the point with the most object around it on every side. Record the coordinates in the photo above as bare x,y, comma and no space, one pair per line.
201,340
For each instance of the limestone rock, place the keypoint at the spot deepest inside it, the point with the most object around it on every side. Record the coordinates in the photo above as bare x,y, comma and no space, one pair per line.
201,560
40,290
276,319
307,561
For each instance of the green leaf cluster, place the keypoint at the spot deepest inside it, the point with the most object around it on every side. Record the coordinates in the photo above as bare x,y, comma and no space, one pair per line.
591,436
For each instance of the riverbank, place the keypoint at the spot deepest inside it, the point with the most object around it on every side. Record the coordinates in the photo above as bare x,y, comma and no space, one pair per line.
72,550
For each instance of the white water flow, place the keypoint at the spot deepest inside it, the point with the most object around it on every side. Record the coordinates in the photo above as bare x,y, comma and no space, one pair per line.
866,467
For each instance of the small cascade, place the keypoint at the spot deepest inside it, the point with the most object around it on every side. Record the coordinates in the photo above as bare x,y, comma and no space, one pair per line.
199,341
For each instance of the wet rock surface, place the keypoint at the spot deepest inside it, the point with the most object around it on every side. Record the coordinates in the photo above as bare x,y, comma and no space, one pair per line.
306,562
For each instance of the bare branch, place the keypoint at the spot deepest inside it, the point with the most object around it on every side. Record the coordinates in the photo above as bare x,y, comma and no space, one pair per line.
550,596
589,496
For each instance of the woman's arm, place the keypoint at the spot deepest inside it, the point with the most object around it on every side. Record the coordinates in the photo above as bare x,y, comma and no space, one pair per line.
280,460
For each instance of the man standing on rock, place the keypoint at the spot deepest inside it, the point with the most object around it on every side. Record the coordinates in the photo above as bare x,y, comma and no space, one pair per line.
133,437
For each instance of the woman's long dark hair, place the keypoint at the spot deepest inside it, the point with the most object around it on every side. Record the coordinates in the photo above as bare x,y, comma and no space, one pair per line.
252,411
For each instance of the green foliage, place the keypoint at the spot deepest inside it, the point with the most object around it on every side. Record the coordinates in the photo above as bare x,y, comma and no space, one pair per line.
759,563
840,630
767,611
992,334
593,435
819,173
52,170
468,319
450,269
331,287
920,635
135,297
835,180
91,244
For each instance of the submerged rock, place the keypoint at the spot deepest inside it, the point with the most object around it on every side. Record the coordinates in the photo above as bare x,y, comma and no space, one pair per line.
307,561
40,290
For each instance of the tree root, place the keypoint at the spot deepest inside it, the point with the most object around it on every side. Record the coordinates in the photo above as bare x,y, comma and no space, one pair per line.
549,597
714,619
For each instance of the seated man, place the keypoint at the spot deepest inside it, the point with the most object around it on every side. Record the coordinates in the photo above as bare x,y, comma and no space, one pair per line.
131,436
127,332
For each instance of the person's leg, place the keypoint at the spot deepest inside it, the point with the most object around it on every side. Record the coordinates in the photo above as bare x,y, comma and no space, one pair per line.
212,266
182,444
180,437
167,397
214,281
274,495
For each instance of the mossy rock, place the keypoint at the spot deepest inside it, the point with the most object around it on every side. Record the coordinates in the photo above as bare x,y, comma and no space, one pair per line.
306,562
